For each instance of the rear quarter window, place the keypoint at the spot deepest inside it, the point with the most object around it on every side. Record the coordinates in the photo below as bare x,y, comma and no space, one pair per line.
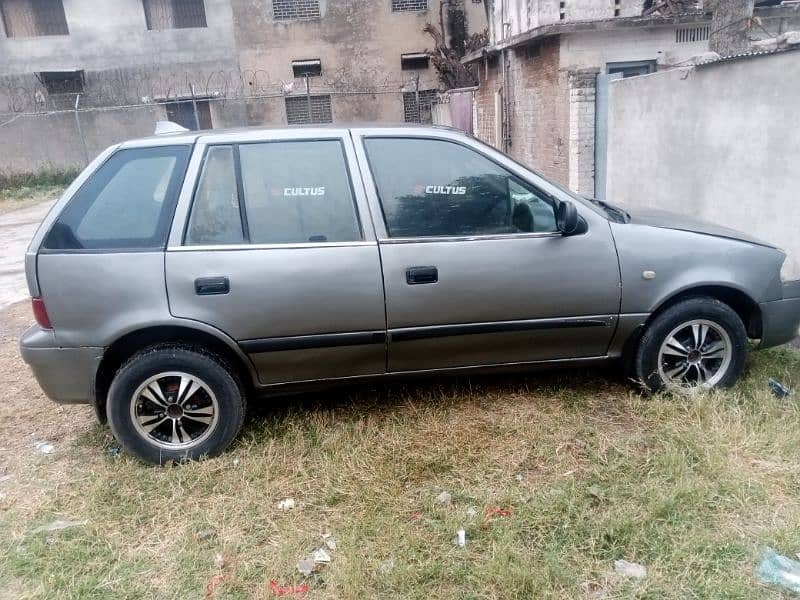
127,203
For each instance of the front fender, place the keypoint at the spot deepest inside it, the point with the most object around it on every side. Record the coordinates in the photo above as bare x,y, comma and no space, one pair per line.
681,260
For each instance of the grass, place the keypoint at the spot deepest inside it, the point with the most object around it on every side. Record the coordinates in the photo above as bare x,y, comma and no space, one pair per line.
44,183
691,487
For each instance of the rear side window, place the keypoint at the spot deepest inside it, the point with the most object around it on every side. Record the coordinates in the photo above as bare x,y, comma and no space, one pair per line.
127,203
216,218
291,192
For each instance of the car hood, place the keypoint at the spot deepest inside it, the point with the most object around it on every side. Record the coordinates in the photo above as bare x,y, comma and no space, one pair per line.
668,220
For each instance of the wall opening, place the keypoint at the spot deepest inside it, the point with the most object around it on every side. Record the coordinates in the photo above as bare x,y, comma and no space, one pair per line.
632,69
33,18
182,112
305,110
414,61
311,67
62,82
174,14
283,10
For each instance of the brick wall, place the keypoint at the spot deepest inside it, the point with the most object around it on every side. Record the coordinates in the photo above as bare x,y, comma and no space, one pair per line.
582,86
539,116
551,113
538,108
490,82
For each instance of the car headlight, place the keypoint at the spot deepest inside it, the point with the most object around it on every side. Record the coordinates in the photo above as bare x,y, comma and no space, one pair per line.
790,271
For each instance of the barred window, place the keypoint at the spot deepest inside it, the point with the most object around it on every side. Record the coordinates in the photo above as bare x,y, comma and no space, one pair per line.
685,35
409,5
32,18
174,14
295,9
298,111
414,112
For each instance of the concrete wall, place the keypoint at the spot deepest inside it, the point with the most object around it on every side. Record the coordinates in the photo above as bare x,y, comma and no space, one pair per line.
359,44
524,15
32,143
110,35
241,62
717,141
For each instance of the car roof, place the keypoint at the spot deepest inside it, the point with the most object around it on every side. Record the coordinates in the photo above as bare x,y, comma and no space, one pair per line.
189,137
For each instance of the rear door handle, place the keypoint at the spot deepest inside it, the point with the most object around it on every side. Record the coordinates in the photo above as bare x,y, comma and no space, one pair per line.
419,275
211,286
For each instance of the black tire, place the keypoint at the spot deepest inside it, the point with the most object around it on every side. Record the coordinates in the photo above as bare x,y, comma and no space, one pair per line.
218,388
646,367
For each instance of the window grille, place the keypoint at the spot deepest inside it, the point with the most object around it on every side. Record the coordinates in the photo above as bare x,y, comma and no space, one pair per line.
297,110
414,112
295,9
409,5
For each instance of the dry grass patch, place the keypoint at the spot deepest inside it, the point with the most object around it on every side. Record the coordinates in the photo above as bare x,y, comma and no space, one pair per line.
590,470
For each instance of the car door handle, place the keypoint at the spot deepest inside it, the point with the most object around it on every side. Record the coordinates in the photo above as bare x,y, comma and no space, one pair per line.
418,275
211,286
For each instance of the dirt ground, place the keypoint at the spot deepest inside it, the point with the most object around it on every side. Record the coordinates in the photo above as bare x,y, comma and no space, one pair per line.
27,415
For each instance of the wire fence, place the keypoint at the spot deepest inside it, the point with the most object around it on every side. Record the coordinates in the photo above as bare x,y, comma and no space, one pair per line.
64,121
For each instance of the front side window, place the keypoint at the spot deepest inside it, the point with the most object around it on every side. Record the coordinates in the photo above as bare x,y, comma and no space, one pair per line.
436,188
292,192
127,203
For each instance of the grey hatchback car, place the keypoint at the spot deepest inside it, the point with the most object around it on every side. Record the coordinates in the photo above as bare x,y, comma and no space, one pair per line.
182,274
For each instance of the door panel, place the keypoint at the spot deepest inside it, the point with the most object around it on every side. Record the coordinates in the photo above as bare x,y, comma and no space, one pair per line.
516,300
475,272
281,292
278,252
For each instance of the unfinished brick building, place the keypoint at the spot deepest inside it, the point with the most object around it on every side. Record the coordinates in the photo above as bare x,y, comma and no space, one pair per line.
544,74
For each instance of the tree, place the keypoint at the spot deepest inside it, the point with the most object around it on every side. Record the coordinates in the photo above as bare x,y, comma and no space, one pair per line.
447,58
730,25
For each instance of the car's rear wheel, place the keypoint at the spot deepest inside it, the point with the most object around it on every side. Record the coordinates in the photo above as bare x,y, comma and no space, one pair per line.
175,403
698,343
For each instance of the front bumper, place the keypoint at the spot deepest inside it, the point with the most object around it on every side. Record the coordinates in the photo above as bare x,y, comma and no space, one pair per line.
780,319
66,375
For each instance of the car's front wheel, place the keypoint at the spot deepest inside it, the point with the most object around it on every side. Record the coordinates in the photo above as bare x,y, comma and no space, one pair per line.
175,403
697,343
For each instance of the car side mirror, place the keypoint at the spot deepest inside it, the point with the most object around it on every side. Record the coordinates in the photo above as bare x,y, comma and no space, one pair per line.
567,217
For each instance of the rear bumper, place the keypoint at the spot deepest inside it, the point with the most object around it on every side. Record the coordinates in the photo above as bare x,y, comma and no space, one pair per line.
66,375
780,320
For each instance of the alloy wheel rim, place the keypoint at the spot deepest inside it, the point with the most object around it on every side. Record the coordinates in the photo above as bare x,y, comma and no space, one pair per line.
696,354
174,410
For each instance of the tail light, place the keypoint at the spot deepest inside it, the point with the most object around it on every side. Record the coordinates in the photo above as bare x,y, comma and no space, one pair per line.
40,313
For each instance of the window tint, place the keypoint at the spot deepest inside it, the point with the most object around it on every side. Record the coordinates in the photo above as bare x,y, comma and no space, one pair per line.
297,192
127,203
215,217
431,188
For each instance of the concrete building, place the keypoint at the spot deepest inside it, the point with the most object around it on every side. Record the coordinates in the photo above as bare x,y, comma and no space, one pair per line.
208,63
544,75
